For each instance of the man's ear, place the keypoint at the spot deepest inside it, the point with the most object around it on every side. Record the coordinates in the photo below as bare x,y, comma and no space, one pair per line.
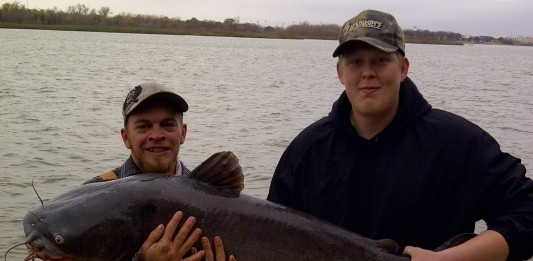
124,135
405,68
183,133
339,73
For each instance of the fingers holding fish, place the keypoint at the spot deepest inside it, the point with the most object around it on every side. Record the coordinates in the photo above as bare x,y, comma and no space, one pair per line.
172,225
417,253
153,238
219,249
162,245
185,240
207,247
220,254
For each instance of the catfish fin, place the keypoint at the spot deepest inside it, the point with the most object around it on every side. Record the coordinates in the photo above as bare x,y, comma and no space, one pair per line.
222,169
455,241
389,245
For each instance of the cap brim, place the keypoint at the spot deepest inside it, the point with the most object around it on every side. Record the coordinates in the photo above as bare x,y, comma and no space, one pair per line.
179,103
371,41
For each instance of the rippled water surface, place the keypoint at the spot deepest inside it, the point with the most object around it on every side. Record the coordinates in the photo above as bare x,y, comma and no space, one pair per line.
61,95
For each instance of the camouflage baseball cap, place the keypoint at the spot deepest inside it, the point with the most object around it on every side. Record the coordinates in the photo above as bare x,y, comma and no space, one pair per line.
376,28
146,91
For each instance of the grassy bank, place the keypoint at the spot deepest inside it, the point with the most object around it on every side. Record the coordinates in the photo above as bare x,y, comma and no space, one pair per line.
144,30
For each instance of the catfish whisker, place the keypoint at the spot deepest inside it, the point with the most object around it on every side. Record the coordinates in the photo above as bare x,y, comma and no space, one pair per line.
42,203
7,252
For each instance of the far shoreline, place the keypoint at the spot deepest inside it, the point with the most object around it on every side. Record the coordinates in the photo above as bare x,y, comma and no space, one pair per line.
143,30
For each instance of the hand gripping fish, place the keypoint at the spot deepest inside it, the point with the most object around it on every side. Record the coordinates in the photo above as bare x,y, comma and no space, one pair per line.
110,220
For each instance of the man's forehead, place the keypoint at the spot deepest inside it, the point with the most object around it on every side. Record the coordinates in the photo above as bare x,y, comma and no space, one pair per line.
143,118
154,113
155,106
360,46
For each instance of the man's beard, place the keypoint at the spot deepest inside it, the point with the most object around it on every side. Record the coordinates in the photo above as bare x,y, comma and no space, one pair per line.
159,166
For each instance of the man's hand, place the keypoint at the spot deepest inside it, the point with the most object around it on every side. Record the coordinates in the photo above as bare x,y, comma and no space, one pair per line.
487,246
420,254
220,254
167,247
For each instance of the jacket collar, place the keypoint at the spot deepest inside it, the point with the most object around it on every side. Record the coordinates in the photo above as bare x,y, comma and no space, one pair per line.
412,106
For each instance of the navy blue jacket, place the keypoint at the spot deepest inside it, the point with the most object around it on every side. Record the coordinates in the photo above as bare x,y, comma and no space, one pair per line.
428,176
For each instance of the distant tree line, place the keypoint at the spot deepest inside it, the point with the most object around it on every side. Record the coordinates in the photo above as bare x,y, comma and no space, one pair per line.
451,36
82,15
439,35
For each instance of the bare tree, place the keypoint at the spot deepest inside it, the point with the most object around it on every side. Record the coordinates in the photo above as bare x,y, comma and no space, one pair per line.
103,12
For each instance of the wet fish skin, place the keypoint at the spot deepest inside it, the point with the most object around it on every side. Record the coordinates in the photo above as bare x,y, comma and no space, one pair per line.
110,220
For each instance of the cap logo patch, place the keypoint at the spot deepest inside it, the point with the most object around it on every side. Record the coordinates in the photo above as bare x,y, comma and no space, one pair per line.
367,24
132,98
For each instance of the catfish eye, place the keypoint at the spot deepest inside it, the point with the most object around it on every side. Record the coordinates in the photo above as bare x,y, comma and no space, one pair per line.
60,239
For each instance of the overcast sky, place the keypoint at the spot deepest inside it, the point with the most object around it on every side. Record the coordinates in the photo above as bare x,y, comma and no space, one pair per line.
468,17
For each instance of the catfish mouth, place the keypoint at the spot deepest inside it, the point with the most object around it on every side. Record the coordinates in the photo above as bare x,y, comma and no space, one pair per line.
31,256
37,248
37,251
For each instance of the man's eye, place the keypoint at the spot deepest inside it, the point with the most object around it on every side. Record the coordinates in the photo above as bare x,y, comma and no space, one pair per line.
142,127
169,125
382,60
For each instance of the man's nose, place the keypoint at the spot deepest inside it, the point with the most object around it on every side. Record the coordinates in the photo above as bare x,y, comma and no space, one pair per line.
368,71
157,133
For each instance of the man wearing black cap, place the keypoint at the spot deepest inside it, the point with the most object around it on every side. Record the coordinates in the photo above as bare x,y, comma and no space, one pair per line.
153,132
385,164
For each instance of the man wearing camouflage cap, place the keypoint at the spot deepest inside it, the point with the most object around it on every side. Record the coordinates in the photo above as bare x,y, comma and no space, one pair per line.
385,164
153,132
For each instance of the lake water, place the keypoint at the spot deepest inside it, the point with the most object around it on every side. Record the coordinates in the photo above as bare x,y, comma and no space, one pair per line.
61,96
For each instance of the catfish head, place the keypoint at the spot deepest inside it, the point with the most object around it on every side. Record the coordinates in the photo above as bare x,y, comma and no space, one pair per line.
62,230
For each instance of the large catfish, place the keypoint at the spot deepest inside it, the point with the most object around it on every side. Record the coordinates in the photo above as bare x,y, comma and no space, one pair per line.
110,220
